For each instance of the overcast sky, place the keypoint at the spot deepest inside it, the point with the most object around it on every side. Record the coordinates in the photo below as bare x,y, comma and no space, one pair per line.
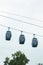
28,8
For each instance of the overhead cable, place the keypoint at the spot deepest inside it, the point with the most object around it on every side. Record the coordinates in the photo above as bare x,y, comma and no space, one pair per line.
23,16
20,30
22,21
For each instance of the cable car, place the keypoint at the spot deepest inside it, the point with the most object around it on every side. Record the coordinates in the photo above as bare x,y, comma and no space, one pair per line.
34,42
8,35
22,38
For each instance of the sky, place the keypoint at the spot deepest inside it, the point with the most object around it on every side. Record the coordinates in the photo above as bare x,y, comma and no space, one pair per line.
27,8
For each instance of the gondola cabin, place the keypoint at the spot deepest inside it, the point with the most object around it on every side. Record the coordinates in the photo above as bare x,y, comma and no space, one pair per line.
22,39
8,35
34,42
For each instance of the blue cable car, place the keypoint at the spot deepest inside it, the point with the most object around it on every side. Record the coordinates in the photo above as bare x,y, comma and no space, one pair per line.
8,35
22,38
34,42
